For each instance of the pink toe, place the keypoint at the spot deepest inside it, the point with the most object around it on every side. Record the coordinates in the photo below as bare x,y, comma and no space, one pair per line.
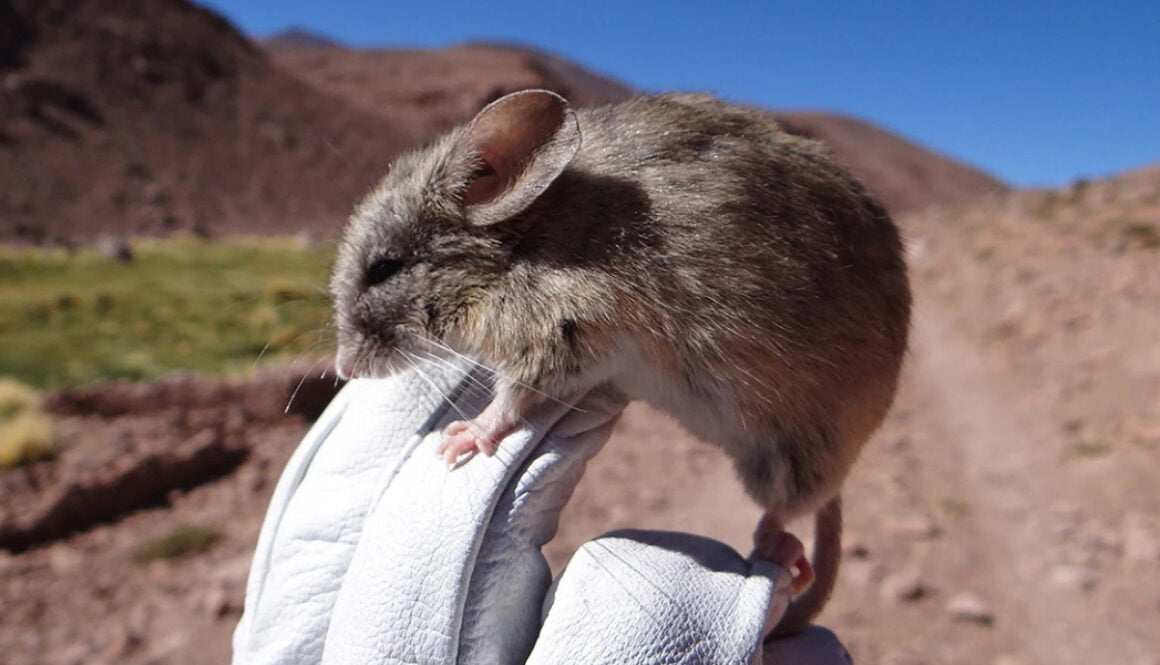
457,427
457,445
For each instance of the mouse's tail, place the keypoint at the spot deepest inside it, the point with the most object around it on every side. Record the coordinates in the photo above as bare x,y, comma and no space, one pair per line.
825,559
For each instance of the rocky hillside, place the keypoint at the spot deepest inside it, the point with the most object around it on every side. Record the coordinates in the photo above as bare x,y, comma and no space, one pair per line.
905,176
441,88
157,116
154,116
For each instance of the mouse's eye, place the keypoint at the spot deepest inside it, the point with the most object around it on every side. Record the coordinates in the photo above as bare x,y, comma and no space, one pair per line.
382,270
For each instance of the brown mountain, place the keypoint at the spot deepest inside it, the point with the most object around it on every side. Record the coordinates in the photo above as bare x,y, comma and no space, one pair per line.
150,116
154,116
441,88
904,175
297,38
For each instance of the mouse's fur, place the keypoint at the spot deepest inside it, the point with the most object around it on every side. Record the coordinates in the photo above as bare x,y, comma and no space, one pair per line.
685,250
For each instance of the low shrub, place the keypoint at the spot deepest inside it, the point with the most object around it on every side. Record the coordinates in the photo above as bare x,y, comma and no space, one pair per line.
26,431
184,540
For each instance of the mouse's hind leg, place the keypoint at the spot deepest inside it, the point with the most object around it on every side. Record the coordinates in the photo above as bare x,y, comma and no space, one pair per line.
773,543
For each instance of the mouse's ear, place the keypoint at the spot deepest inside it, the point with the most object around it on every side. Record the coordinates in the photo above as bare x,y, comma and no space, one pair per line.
520,143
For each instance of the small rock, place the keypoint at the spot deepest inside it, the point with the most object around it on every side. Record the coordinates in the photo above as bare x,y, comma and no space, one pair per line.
115,247
63,558
232,572
215,601
917,248
901,658
1102,542
75,654
860,573
856,548
7,561
1073,576
139,617
167,647
969,608
904,586
917,527
254,479
121,643
1141,545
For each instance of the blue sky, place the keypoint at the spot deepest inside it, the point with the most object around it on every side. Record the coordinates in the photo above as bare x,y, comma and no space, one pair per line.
1035,92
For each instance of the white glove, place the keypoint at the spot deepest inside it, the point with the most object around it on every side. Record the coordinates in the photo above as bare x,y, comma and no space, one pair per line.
374,552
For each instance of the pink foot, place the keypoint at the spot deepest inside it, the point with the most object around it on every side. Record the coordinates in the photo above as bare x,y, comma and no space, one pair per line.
773,543
484,433
467,437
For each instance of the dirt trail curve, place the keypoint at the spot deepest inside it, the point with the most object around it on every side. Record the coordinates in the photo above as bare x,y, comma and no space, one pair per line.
968,489
1009,510
1009,473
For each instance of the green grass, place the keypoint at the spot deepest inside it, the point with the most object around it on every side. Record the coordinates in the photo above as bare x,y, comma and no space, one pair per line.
183,304
184,540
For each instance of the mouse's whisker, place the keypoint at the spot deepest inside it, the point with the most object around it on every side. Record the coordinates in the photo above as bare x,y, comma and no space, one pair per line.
476,383
439,391
447,349
261,353
270,347
324,331
472,387
301,381
416,364
306,351
506,377
472,423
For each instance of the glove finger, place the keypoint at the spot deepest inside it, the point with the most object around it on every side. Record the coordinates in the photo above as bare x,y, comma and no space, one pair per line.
505,598
653,597
316,515
406,593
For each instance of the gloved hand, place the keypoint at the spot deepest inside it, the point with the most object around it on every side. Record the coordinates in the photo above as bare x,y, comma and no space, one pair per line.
373,551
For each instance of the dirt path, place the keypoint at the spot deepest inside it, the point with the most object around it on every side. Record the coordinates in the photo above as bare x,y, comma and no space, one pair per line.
976,485
1005,469
972,487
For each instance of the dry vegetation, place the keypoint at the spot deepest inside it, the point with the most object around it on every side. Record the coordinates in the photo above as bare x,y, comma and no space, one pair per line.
26,431
183,540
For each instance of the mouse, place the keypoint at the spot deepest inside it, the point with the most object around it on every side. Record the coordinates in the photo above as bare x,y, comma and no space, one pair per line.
683,250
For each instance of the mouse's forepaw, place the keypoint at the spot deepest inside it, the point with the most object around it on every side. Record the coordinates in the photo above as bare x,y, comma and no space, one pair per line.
466,437
483,433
